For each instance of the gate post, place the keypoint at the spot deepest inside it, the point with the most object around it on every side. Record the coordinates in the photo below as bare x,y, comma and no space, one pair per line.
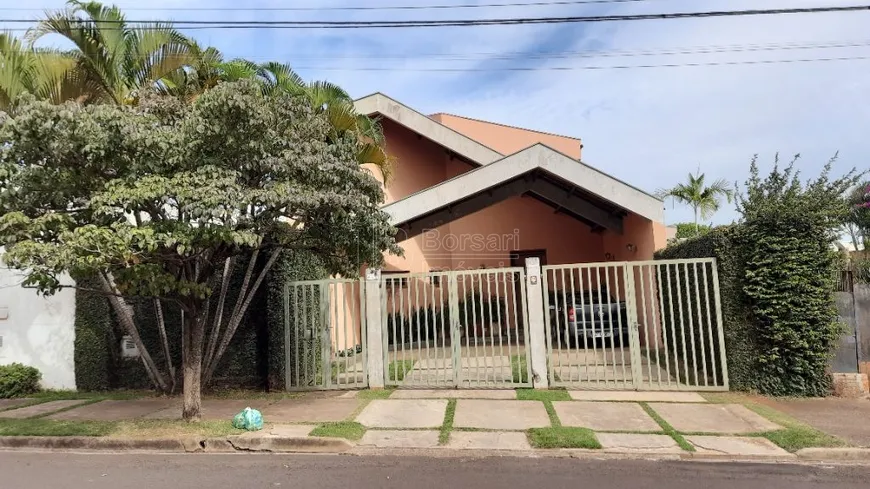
374,336
537,331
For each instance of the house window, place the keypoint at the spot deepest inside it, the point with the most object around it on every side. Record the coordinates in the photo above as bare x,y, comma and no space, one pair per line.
395,282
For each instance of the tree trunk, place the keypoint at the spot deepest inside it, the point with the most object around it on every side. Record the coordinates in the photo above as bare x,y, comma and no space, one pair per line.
697,230
192,367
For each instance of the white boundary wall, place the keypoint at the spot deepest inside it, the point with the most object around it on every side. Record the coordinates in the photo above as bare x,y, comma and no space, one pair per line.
37,331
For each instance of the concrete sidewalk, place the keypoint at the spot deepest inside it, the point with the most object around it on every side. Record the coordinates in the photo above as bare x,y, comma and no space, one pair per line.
618,422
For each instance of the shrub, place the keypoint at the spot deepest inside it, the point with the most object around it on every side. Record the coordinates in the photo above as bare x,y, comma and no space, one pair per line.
18,380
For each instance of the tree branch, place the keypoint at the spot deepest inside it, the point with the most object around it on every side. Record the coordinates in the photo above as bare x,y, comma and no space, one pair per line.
216,326
161,328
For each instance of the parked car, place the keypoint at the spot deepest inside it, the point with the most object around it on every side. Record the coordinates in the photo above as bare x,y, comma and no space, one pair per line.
593,314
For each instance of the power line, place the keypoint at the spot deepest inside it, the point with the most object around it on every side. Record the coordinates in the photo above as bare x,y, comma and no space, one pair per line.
364,8
734,48
592,68
322,24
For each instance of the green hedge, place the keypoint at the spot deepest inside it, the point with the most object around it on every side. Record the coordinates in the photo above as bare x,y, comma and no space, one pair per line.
723,243
251,360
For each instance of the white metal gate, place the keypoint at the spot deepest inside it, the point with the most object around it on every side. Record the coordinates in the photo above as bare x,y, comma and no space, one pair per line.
455,329
324,335
651,325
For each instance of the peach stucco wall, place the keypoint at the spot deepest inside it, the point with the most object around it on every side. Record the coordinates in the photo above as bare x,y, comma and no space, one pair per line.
507,139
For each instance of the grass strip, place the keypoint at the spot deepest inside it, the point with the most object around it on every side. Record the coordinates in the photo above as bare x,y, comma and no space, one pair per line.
50,427
563,437
668,429
349,430
372,394
447,426
543,395
398,368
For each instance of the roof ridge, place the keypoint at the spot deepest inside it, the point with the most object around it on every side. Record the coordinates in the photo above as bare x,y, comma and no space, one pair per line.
505,125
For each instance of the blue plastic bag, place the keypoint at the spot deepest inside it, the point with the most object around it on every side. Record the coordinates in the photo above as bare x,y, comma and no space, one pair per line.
249,419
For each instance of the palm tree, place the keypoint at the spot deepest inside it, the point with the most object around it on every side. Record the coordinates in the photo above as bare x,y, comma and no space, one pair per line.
42,72
112,59
704,200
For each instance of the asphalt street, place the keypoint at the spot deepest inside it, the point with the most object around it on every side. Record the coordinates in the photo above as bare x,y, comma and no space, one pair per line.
19,470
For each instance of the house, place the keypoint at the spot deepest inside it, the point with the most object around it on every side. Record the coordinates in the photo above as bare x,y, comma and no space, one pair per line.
469,194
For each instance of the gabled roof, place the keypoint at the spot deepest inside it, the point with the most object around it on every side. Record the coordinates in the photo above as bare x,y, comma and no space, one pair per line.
570,173
498,169
448,138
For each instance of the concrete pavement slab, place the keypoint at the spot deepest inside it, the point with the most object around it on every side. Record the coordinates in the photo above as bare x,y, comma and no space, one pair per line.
403,413
832,415
636,396
11,403
488,440
605,416
213,409
309,410
500,415
736,445
114,410
454,394
637,443
39,409
713,418
400,439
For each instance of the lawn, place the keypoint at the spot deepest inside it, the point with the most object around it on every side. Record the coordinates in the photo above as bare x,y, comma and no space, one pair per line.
398,369
48,427
795,434
543,395
447,425
350,430
563,437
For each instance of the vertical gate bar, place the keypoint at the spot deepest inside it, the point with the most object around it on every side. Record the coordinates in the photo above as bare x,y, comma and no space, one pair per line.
627,301
682,326
499,277
691,323
482,340
524,314
643,304
306,340
612,349
673,324
548,319
635,366
576,348
427,286
398,335
419,357
456,353
400,358
343,303
360,333
598,285
582,315
656,316
448,321
564,323
312,380
709,324
409,346
435,313
491,365
517,325
660,307
700,325
591,308
296,314
325,346
476,306
333,288
722,357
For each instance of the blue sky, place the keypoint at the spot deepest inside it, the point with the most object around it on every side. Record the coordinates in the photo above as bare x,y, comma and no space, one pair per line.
649,127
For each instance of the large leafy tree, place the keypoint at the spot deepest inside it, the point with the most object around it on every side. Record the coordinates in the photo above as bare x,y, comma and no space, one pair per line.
113,60
704,199
163,200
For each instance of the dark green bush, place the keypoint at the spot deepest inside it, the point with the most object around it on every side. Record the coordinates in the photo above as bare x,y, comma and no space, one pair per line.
18,380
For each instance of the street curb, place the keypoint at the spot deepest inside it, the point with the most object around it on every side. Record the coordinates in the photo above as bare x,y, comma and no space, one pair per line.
834,454
229,444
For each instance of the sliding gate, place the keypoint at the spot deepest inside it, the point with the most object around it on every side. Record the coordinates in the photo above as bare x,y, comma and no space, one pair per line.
651,325
456,329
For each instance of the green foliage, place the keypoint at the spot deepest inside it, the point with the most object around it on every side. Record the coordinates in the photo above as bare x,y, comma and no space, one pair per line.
50,427
18,380
398,368
563,437
519,369
542,395
789,281
690,230
703,199
776,273
93,347
447,425
350,430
